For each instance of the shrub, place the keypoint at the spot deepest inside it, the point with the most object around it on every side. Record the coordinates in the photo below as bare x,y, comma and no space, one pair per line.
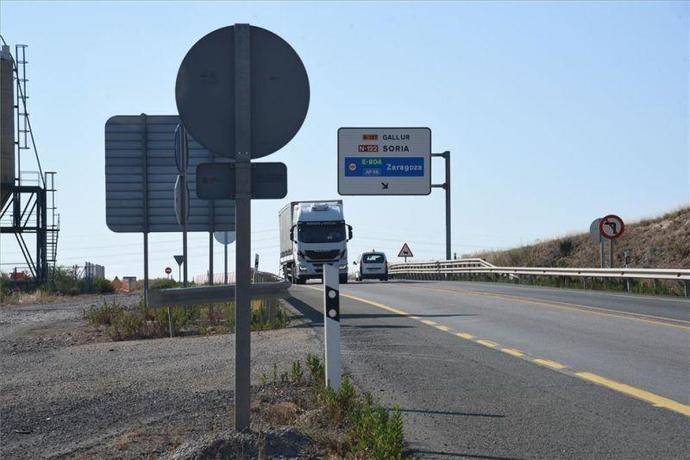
123,323
101,286
565,247
372,430
376,432
296,372
163,283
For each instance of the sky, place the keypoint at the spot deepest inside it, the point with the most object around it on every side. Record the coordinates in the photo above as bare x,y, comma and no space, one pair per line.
554,114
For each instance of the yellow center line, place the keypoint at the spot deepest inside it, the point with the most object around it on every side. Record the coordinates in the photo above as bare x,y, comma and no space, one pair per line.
487,343
572,306
654,399
513,351
549,363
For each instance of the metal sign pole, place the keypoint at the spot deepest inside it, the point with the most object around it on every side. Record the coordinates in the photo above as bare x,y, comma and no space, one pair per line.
185,159
331,321
446,186
601,252
611,254
184,255
210,258
225,270
446,156
243,225
146,209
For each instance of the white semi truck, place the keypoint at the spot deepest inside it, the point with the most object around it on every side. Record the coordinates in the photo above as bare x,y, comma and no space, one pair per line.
313,233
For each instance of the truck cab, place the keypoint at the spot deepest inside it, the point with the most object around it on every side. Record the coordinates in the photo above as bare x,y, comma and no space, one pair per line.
370,265
318,235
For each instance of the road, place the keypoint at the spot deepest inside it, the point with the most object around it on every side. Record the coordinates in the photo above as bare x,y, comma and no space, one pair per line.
488,370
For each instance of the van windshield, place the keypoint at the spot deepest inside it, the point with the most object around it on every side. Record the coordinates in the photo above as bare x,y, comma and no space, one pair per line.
373,258
321,233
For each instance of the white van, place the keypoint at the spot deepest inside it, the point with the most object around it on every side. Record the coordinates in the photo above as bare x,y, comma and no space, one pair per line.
372,265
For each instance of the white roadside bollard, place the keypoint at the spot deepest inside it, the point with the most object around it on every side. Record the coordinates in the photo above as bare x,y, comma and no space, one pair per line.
331,324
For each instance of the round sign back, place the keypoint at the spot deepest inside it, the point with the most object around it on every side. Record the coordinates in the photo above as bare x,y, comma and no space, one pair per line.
205,92
611,226
594,232
224,237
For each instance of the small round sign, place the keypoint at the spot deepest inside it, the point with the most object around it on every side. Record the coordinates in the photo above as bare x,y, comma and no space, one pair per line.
205,92
611,227
224,237
168,270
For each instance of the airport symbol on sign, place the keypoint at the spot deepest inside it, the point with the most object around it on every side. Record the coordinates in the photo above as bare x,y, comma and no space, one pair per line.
611,226
405,251
384,161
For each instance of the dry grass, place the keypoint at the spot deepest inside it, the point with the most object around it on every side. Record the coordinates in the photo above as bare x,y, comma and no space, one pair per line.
661,242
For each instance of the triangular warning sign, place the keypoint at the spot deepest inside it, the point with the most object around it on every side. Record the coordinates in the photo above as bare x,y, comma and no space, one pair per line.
179,259
405,251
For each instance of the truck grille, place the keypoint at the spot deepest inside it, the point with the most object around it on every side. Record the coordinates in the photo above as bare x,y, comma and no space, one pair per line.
322,255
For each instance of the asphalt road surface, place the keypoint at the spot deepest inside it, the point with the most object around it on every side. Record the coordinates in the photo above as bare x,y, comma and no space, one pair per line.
488,370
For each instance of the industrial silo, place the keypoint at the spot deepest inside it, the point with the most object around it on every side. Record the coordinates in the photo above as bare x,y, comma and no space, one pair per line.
6,124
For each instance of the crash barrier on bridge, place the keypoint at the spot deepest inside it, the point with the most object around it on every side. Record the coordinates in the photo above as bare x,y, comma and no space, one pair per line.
266,285
440,270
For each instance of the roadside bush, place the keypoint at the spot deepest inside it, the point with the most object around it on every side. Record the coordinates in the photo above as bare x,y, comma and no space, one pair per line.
62,281
163,283
123,323
100,286
565,247
372,430
6,289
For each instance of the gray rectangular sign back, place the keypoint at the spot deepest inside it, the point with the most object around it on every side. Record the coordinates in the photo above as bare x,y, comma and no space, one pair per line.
140,174
217,181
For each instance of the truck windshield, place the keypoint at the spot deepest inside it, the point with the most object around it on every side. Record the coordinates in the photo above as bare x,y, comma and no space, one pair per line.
321,233
373,258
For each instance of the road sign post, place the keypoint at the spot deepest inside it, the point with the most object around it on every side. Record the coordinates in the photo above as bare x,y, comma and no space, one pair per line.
182,160
446,186
225,238
611,227
331,321
242,111
179,260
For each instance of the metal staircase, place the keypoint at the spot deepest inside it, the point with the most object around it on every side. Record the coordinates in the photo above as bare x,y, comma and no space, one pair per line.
53,220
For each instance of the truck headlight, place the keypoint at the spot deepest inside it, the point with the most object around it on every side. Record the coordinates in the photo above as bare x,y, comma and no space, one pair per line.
343,267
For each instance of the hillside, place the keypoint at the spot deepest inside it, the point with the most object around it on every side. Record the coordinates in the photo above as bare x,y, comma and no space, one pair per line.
662,242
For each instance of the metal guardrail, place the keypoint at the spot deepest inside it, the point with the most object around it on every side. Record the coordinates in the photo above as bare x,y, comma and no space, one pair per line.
273,286
480,266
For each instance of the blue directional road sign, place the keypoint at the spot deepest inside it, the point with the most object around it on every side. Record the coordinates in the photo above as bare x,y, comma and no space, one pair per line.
384,161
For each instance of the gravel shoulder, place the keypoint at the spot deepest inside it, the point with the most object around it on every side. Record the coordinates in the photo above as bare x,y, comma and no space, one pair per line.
66,392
